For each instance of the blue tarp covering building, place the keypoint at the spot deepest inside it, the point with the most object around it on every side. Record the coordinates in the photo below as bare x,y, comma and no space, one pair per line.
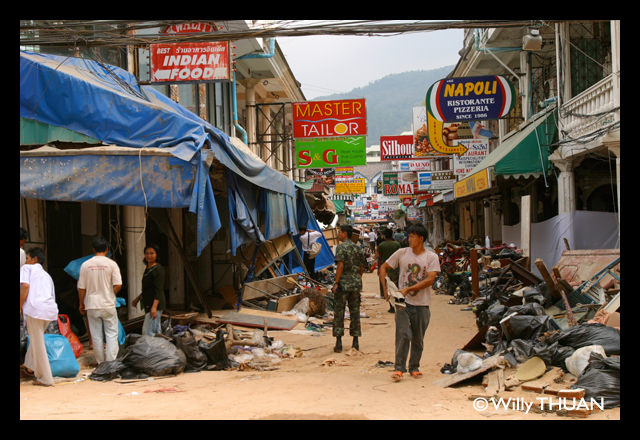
155,153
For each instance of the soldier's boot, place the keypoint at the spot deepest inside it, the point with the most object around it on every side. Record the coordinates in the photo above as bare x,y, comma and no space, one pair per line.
355,343
338,347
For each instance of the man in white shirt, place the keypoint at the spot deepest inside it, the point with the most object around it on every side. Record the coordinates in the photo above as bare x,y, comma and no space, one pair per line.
418,270
38,305
307,238
99,282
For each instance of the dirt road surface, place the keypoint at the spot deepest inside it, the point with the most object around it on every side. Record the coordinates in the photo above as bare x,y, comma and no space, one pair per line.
320,385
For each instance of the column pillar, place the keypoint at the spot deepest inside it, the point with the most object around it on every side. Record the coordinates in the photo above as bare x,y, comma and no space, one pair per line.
566,186
252,117
134,236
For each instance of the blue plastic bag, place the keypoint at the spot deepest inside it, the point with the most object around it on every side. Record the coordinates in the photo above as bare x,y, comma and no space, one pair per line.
73,268
61,358
122,336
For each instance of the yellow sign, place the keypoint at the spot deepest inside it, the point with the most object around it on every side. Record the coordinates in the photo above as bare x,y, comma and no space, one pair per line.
357,186
475,183
435,130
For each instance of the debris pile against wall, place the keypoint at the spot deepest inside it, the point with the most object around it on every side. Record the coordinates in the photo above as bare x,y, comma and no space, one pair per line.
543,335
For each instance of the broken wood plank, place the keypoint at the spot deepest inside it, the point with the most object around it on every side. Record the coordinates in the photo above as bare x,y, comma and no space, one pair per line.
546,276
539,385
487,364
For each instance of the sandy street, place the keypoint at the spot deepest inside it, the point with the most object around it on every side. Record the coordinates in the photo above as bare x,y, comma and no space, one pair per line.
320,385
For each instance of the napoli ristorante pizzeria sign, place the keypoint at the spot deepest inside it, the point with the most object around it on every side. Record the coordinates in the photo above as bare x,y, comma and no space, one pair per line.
470,98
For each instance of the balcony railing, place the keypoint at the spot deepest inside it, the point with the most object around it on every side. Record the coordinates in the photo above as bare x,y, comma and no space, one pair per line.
591,110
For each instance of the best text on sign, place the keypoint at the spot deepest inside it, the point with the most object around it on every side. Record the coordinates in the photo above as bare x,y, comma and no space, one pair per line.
319,119
176,62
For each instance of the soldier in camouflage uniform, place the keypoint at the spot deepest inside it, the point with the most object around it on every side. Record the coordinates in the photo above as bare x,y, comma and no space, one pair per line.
349,259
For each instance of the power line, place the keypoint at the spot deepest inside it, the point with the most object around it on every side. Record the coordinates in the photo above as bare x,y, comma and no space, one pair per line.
119,32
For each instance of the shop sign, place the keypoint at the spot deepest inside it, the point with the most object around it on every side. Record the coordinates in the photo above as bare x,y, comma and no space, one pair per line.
399,183
331,152
477,150
344,174
396,147
470,98
436,180
325,176
190,28
475,183
356,186
318,119
415,165
422,145
188,62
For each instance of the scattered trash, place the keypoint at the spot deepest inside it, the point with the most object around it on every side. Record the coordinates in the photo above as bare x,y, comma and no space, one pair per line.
601,380
579,360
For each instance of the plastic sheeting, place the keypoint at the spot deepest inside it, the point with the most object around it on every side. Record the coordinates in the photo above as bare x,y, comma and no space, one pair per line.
106,103
583,230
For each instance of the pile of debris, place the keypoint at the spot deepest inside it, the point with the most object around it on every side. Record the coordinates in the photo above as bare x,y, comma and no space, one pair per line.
545,336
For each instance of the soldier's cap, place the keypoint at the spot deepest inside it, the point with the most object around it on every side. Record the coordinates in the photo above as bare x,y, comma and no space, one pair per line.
355,231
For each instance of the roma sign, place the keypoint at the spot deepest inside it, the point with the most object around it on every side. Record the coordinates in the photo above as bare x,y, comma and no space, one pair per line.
319,119
470,99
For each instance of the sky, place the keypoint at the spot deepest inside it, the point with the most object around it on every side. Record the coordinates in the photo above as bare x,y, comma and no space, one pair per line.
328,64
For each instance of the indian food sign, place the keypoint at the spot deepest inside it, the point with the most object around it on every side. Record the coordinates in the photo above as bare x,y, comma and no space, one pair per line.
470,98
189,62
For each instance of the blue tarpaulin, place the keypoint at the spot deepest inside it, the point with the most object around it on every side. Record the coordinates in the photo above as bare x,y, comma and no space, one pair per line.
106,103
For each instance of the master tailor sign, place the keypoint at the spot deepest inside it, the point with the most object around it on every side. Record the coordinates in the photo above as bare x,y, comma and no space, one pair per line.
318,119
470,99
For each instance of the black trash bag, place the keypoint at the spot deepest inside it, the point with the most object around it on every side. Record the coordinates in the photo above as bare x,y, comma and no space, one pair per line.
495,313
216,352
529,327
155,356
166,328
196,358
601,379
107,370
552,354
531,309
129,373
53,328
537,294
590,334
509,253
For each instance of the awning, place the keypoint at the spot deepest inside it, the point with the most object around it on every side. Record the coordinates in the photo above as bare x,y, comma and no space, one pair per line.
525,153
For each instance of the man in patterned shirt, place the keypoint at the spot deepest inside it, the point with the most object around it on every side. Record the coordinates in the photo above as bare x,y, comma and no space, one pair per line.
418,269
346,290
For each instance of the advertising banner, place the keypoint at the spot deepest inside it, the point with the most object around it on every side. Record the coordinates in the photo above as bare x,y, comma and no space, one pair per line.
185,62
422,146
470,98
317,119
415,165
356,186
399,183
396,147
476,182
436,180
476,151
325,176
344,174
331,152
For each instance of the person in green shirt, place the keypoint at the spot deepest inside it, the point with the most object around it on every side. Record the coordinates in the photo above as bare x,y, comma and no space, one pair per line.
385,250
153,299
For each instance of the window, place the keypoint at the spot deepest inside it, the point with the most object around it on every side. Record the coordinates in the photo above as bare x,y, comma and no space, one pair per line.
218,105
